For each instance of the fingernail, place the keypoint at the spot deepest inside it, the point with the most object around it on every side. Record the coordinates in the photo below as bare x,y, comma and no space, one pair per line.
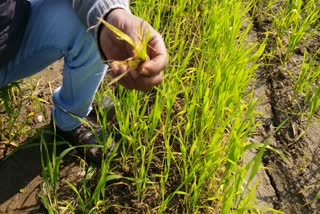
123,68
114,66
143,71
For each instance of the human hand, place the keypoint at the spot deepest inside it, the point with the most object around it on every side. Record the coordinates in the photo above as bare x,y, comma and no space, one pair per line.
148,73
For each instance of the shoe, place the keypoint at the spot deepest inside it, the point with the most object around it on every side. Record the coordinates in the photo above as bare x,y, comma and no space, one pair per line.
83,135
108,107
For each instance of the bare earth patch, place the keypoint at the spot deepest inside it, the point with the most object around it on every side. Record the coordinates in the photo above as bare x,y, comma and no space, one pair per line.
294,181
20,176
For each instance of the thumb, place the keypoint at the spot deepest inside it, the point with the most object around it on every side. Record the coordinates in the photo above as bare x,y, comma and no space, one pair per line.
153,66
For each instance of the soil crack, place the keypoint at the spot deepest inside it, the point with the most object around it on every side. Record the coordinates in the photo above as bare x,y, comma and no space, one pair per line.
289,178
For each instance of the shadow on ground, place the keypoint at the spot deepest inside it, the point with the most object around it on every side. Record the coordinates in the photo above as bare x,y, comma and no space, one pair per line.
20,178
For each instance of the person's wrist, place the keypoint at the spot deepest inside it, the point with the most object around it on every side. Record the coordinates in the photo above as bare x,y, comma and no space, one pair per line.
114,14
104,32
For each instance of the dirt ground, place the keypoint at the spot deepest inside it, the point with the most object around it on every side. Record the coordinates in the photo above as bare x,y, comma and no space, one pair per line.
291,185
294,182
20,175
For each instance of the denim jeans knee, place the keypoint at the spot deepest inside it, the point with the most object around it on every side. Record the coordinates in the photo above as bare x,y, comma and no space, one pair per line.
55,31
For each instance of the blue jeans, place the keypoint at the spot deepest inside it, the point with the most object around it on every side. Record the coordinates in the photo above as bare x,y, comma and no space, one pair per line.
55,31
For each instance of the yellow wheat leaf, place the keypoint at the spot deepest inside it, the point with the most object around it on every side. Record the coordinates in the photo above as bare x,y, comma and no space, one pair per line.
121,35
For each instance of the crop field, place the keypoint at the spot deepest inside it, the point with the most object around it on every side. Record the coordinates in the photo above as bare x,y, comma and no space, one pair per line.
233,128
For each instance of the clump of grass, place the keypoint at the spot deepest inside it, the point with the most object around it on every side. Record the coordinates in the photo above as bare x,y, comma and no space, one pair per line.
293,21
306,85
296,22
204,139
184,143
11,105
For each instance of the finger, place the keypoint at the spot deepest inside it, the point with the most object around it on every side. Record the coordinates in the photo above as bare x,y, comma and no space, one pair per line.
114,69
147,83
158,57
156,80
118,69
125,83
133,73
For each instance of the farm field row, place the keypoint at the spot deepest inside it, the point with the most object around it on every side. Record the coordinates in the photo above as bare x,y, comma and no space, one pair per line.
243,76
